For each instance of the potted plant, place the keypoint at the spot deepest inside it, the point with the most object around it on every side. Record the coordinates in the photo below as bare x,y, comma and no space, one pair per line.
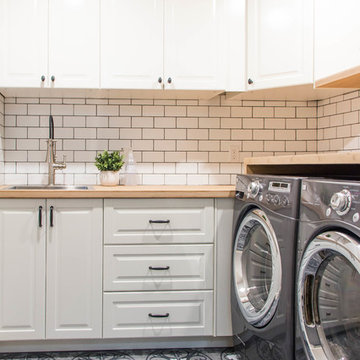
109,164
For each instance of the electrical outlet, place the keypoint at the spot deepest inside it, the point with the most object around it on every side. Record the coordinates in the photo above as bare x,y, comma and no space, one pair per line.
234,153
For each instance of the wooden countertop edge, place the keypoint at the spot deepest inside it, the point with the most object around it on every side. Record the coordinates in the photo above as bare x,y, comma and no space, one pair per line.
221,191
349,78
306,159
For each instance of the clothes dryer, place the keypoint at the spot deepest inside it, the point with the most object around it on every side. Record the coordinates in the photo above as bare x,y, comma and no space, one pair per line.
328,268
263,265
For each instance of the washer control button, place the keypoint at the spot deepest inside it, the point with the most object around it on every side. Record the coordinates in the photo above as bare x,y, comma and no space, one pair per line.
328,211
261,198
268,198
284,201
276,200
356,217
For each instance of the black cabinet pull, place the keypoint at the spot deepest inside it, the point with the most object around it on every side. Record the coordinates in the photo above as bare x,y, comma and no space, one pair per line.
51,216
159,315
160,80
40,216
169,80
159,268
43,78
159,221
250,81
52,78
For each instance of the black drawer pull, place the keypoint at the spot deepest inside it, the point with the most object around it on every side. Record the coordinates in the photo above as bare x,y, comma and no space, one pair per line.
159,268
159,221
159,315
40,216
51,216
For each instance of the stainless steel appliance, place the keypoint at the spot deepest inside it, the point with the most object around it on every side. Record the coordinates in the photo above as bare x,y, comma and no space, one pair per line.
265,227
328,268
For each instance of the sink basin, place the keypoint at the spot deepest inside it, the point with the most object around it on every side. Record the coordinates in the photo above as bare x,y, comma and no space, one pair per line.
48,187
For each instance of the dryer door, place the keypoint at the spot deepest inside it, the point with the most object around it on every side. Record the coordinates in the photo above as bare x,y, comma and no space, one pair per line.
328,295
257,268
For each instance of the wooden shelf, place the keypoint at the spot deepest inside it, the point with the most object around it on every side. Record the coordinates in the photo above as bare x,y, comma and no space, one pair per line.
336,165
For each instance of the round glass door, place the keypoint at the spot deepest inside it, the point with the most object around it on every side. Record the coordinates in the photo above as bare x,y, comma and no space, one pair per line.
257,268
329,297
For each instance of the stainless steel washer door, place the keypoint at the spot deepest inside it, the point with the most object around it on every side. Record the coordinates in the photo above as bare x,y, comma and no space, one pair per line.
257,268
328,295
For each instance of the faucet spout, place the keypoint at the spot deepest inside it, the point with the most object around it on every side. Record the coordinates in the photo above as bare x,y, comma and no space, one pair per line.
52,163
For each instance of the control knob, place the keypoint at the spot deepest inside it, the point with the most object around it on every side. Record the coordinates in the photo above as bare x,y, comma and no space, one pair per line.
253,189
341,202
276,200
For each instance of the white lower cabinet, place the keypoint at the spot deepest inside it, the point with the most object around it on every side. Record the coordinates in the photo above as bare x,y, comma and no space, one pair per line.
158,244
60,240
22,264
158,314
74,269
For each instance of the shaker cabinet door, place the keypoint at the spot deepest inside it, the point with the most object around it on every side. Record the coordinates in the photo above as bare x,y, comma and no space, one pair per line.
280,43
132,44
74,268
23,39
74,28
22,264
194,45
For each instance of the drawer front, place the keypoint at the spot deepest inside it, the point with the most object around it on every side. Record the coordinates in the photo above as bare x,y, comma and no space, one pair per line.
158,314
158,221
158,267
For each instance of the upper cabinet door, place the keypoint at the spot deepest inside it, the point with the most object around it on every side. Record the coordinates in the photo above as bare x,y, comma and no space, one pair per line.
74,269
74,43
22,264
132,44
280,43
337,45
23,39
194,45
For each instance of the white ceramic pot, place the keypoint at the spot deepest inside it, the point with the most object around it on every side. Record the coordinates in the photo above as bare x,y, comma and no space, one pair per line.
109,178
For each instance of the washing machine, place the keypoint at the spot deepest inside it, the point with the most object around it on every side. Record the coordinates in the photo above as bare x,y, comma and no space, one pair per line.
328,267
263,266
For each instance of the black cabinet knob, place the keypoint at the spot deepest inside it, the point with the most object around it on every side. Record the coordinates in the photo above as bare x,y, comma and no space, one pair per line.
43,78
169,80
250,81
160,80
52,78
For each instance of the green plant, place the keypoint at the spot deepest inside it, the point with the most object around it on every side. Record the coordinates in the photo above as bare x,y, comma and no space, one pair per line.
109,161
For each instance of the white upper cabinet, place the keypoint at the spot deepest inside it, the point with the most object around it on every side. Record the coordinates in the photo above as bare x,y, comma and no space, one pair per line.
74,43
49,43
280,43
74,269
337,45
172,44
24,40
22,264
132,44
194,44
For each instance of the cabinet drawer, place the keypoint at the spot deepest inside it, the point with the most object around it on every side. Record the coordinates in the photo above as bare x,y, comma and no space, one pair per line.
158,221
158,267
134,314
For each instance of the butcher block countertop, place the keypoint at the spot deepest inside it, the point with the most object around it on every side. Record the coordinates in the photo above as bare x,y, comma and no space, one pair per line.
140,191
345,164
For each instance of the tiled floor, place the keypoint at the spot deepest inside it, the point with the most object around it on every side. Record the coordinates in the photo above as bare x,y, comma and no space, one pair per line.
167,354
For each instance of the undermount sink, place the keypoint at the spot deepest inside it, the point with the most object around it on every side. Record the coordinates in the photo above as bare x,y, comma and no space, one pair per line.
49,187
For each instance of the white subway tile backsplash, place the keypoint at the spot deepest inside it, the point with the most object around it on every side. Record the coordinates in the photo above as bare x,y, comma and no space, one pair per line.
174,141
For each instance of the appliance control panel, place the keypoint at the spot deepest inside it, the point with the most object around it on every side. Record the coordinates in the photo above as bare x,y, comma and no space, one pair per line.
330,199
275,193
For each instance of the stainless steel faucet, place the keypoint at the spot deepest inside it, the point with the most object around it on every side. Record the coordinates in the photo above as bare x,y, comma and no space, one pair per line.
51,155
